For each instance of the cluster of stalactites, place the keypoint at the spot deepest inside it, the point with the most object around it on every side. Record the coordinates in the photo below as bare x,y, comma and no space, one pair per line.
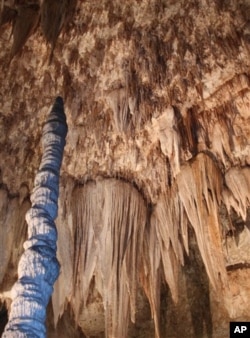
109,218
193,200
116,245
25,17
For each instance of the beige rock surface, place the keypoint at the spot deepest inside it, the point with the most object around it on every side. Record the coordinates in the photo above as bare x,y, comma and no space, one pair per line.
157,97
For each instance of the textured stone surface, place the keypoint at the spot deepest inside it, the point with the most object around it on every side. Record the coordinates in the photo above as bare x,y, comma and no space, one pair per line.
148,86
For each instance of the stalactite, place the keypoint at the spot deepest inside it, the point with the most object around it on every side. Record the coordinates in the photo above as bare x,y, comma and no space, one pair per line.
52,20
166,221
220,142
199,185
118,101
24,25
151,274
54,16
109,218
123,100
166,128
237,196
195,198
7,15
164,241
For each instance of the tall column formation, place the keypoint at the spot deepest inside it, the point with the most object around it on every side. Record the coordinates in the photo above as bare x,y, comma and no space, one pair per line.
38,268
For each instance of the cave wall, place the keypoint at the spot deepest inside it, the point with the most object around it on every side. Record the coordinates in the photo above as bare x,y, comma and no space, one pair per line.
157,100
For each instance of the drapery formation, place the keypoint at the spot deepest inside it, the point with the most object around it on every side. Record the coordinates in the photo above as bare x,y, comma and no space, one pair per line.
38,267
117,243
109,218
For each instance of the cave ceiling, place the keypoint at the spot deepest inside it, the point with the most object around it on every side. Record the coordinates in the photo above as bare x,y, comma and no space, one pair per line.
144,83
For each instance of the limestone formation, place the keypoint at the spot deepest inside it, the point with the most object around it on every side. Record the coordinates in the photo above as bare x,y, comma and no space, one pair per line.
38,268
153,224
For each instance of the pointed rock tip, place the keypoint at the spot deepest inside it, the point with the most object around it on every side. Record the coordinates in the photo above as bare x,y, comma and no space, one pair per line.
59,100
57,113
58,105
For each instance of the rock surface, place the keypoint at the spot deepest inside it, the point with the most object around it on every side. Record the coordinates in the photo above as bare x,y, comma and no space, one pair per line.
157,98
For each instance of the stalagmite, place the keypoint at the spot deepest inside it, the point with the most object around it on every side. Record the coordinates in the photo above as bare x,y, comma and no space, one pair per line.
38,267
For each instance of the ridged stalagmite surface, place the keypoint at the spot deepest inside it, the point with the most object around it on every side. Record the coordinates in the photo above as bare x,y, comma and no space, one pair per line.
38,267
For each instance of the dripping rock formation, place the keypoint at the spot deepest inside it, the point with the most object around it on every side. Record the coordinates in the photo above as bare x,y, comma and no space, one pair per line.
154,219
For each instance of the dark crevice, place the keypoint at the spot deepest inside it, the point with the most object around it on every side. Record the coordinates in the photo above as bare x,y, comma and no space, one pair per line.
238,266
3,317
197,285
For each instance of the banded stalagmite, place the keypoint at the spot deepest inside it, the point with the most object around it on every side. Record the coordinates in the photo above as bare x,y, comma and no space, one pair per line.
38,267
